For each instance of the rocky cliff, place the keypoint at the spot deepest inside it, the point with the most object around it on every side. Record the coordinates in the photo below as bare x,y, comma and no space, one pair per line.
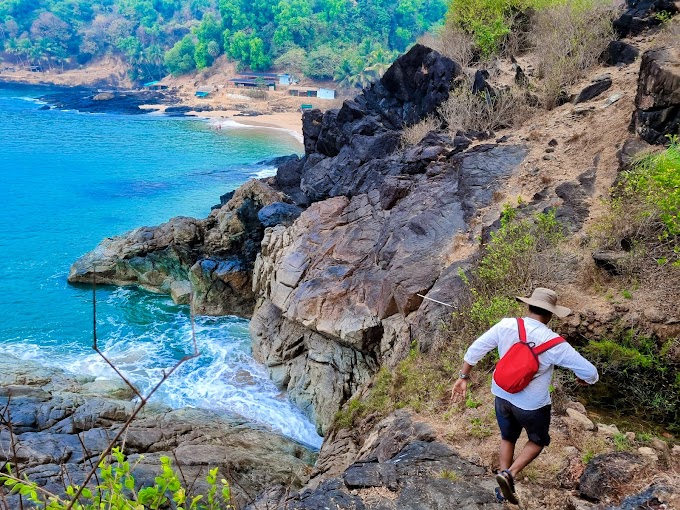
333,257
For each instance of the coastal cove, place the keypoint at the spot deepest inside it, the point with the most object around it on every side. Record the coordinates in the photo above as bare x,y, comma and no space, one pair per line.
71,179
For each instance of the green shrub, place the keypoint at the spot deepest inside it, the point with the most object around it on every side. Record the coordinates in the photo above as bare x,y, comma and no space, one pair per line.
117,490
636,378
655,179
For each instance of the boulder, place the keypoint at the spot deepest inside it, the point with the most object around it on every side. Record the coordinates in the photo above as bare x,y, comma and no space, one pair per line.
657,103
605,474
658,496
104,96
648,454
607,430
596,87
620,52
580,420
180,292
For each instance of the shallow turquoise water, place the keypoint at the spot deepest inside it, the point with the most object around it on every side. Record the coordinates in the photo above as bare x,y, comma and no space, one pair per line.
67,181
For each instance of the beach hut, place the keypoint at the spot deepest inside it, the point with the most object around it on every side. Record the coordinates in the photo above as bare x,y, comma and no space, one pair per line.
326,93
204,91
154,85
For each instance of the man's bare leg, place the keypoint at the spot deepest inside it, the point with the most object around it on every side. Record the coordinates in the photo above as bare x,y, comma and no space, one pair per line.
530,451
507,452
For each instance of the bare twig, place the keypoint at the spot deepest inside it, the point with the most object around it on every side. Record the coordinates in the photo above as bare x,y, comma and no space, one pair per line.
143,399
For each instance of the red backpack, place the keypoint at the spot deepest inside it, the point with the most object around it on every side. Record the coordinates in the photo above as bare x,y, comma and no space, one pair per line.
518,367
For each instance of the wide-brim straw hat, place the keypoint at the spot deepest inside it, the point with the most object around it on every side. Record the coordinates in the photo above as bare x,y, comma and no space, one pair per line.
545,299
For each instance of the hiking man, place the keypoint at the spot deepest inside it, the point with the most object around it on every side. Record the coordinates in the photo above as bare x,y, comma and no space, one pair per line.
527,408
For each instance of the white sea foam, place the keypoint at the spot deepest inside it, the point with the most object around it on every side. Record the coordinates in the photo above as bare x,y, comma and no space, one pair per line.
232,124
152,335
267,171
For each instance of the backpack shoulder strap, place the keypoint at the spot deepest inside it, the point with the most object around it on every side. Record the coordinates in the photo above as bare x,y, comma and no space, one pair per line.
522,330
548,345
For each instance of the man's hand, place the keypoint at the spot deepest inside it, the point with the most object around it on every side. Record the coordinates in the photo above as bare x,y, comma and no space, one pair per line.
459,390
581,382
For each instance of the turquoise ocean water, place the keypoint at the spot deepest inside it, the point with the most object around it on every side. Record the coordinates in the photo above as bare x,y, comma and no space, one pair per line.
67,180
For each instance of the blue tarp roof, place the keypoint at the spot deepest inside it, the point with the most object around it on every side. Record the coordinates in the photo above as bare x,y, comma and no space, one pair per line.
149,84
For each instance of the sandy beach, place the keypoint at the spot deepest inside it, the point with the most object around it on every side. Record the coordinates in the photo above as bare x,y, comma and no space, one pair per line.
287,121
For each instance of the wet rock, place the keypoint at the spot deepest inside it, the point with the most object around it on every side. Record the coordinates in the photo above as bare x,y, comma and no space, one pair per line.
215,255
103,96
605,474
620,52
657,103
180,292
597,87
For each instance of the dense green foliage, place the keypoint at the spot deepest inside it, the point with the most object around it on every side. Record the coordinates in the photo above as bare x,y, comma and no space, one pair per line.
656,180
638,376
117,490
326,38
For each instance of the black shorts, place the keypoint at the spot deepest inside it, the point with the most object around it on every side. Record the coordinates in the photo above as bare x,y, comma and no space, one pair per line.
512,419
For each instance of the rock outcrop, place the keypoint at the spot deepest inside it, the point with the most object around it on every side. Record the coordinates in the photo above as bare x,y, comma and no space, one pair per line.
214,257
657,103
402,466
61,424
350,270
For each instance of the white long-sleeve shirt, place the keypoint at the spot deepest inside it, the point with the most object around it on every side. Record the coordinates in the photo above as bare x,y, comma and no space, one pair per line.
537,394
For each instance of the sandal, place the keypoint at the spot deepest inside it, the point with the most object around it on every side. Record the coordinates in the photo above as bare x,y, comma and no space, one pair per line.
499,497
507,486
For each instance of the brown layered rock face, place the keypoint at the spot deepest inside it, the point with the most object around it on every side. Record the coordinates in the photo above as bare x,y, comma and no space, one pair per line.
348,273
211,258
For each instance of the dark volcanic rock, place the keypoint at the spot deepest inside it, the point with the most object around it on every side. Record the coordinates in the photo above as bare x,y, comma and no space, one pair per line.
366,128
597,87
640,15
656,497
278,213
619,52
657,102
215,255
413,474
120,102
606,473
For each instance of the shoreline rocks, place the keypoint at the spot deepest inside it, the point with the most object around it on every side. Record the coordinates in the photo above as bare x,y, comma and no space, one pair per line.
62,423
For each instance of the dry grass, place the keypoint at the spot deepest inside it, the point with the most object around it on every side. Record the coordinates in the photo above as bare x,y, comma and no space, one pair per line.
465,111
452,42
571,39
669,35
412,135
